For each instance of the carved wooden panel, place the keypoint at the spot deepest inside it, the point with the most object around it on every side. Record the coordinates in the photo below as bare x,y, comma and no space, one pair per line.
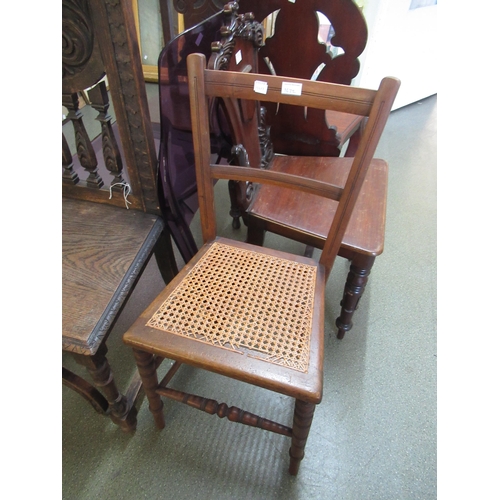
294,50
99,37
82,64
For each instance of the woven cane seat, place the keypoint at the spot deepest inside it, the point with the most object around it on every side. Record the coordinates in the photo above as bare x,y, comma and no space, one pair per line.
246,301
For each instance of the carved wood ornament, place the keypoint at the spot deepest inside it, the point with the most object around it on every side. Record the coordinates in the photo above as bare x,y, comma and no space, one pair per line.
241,38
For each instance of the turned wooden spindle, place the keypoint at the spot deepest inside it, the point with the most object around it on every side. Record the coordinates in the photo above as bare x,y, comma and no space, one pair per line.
69,175
99,100
222,410
302,420
102,376
85,151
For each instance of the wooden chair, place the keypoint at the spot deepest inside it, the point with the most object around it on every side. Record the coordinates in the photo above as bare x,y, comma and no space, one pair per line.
110,216
323,132
242,311
296,131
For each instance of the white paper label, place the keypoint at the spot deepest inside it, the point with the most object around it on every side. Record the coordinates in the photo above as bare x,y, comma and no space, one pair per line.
291,88
260,87
238,57
291,1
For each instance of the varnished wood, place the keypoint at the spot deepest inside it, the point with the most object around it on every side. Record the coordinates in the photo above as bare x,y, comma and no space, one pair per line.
347,99
289,214
121,411
302,420
99,99
86,390
294,50
232,413
69,175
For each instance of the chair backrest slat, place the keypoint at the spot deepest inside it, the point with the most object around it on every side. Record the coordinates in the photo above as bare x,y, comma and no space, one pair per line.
251,174
319,95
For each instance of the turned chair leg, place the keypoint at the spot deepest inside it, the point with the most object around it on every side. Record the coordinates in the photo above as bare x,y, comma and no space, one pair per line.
147,370
121,411
354,287
302,420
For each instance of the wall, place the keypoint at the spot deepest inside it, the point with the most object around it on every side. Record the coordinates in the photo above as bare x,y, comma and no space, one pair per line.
401,43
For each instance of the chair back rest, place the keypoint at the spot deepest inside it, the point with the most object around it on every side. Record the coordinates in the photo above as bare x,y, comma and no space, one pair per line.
100,40
205,84
293,49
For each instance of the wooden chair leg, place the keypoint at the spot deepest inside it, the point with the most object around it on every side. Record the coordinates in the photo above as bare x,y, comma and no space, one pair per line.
302,420
255,235
235,211
357,278
121,411
147,370
165,257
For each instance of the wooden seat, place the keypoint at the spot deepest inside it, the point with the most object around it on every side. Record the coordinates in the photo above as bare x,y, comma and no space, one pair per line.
111,219
277,211
243,311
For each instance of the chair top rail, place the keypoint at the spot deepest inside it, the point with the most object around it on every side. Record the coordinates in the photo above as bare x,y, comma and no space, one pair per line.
287,90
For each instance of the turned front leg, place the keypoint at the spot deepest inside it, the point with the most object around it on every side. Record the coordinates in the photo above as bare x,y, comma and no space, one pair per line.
355,286
99,369
302,420
147,370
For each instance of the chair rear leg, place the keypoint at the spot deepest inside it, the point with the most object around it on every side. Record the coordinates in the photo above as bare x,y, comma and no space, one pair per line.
302,420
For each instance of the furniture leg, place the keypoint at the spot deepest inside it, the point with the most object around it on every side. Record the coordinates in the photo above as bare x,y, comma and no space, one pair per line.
255,235
302,420
121,412
147,370
165,257
235,211
354,287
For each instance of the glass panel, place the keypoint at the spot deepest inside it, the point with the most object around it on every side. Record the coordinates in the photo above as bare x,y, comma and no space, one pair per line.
151,32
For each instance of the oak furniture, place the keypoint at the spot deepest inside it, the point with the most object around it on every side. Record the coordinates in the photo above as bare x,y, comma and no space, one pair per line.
111,219
243,311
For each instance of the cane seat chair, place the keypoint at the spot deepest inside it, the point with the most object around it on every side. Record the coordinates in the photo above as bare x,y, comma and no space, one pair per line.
246,312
